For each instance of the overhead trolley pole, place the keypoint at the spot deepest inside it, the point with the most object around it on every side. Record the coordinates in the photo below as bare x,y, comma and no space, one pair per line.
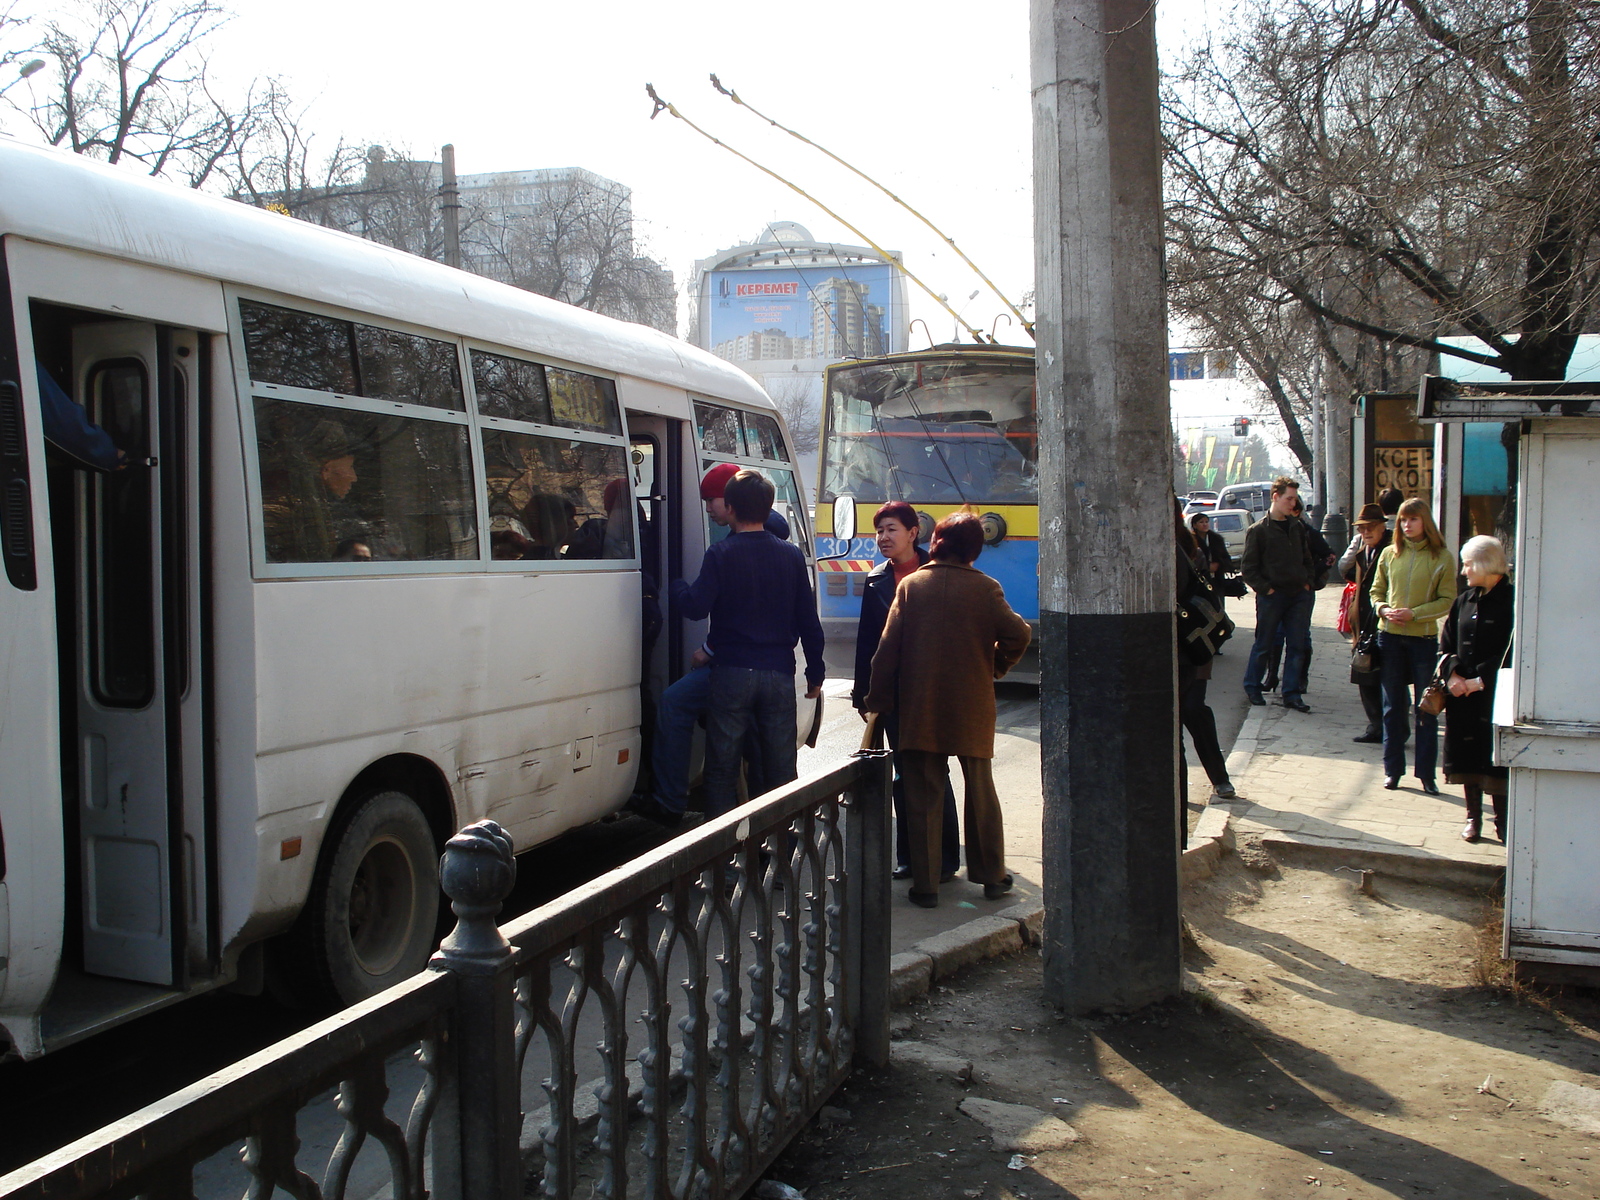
1112,821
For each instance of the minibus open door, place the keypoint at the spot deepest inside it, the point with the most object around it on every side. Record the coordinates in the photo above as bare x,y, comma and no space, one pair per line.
132,660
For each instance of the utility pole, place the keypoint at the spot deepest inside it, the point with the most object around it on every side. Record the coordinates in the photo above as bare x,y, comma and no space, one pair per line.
1112,821
450,203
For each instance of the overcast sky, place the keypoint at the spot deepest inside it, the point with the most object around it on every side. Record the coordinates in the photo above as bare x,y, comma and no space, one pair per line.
930,98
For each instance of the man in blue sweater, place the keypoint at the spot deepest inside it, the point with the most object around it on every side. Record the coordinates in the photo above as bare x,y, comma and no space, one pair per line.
757,592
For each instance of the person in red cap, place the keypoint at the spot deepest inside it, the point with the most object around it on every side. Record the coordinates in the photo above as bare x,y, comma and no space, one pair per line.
756,590
687,700
712,487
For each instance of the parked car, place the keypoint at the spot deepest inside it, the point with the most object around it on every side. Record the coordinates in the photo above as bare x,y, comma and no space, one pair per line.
1254,496
1232,524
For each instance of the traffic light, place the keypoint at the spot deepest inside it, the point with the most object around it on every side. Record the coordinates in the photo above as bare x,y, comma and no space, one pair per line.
1241,426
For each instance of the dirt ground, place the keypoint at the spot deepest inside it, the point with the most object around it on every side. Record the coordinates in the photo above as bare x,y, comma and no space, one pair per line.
1333,1044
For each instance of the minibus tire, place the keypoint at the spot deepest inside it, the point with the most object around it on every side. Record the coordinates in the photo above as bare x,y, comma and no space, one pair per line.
374,909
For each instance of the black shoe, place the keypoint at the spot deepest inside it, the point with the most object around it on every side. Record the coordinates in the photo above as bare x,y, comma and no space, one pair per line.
947,877
1296,703
1255,697
1430,787
925,899
1391,782
901,873
1374,739
1270,684
1224,790
993,891
650,809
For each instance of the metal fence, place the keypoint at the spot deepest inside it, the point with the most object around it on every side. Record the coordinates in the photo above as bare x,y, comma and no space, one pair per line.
543,1057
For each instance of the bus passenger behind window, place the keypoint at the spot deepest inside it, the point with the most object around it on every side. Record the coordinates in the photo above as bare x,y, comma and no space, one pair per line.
551,522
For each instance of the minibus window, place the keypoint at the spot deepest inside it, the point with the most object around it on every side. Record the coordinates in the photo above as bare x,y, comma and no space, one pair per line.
763,437
327,354
342,485
510,389
718,429
557,498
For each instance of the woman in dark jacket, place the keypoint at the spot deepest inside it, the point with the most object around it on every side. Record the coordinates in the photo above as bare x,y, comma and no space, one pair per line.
1217,562
1356,565
1193,710
1473,645
1212,546
897,530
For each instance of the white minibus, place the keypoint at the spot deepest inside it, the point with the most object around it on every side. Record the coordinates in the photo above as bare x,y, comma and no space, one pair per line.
371,568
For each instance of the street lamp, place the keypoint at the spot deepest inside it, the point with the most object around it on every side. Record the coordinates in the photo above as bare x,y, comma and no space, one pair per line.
31,67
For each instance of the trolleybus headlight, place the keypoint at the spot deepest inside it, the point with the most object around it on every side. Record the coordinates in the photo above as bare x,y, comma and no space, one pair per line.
925,525
994,528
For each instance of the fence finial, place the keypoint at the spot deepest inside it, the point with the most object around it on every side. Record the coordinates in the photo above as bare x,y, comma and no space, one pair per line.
476,872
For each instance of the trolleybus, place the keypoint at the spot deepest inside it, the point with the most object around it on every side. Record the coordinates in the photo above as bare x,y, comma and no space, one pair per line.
370,570
941,428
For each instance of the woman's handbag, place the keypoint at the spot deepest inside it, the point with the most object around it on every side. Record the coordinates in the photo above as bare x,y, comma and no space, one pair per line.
1233,585
1364,655
1346,623
1202,625
1432,701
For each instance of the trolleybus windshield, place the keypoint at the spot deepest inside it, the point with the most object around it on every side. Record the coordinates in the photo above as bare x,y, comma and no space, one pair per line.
932,431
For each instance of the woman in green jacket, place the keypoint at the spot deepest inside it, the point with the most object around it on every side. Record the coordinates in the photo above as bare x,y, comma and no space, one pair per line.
1413,586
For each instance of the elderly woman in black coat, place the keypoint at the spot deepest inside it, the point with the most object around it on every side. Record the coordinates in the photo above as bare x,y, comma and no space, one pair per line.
1473,645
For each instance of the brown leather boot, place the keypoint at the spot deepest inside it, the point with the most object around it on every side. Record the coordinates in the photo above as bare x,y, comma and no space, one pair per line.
1473,829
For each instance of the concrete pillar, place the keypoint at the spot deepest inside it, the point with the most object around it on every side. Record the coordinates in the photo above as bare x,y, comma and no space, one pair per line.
1112,821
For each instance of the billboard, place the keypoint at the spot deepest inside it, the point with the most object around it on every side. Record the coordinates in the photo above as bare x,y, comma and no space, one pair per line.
821,312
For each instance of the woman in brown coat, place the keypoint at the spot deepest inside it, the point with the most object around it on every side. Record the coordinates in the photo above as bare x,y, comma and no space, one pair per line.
949,636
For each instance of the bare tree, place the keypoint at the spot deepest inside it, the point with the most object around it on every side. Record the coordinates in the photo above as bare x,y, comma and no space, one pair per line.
800,409
573,240
127,81
282,168
1390,172
1401,170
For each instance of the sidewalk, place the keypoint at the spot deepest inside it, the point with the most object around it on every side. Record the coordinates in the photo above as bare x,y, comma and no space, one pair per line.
1305,791
1305,787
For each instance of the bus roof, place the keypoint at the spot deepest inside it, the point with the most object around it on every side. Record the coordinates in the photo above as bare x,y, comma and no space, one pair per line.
947,350
64,199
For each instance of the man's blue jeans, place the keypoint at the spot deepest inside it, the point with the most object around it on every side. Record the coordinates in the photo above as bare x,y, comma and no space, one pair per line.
762,702
1289,611
1406,664
678,709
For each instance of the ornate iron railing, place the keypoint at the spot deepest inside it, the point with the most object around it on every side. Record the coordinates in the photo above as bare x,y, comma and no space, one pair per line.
765,930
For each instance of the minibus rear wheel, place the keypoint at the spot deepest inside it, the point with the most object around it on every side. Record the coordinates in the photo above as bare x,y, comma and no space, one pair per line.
374,909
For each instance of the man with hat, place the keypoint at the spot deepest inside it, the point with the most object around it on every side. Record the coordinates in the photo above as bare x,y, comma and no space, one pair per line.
1357,563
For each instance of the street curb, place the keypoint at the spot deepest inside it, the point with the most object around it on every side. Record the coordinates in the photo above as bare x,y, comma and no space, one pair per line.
1211,839
1246,744
1213,832
913,972
1307,850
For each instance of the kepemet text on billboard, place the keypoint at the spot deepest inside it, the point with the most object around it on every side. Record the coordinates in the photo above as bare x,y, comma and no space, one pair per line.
825,312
